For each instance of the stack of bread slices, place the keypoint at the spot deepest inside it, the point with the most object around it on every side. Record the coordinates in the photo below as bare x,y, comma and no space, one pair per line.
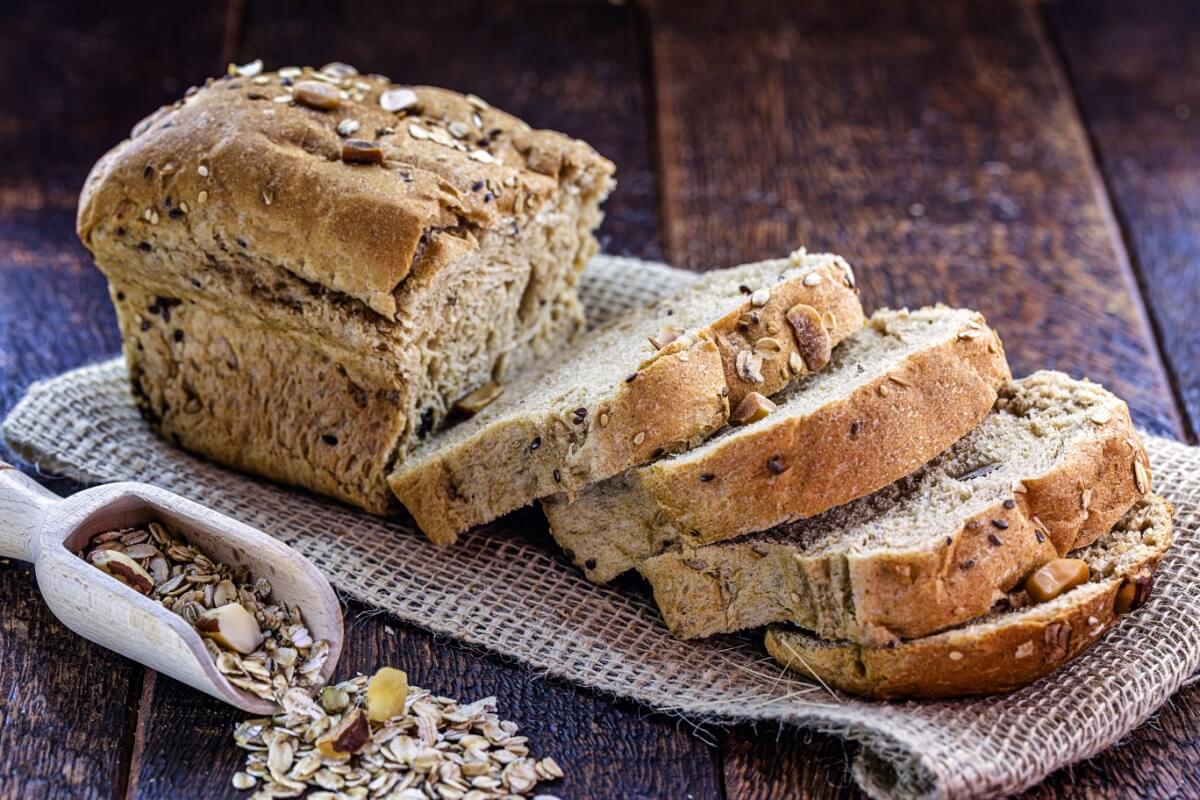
317,272
905,517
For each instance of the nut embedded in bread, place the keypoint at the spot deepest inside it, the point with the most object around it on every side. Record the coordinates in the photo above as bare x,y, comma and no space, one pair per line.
1038,477
657,381
895,394
310,267
1013,646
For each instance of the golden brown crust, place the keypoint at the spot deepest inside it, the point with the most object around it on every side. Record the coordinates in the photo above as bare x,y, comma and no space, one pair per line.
673,403
845,449
763,330
679,397
999,655
271,174
879,596
365,298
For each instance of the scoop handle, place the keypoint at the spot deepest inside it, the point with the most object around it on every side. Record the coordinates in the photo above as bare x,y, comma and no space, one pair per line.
23,505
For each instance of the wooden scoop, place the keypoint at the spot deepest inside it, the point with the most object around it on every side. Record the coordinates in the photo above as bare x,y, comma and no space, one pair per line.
39,526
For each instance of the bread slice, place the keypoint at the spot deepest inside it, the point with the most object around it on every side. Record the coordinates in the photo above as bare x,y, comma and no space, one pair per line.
894,395
292,311
1015,645
658,381
1055,465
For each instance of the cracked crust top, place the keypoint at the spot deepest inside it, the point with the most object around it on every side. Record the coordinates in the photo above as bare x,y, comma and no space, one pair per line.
316,172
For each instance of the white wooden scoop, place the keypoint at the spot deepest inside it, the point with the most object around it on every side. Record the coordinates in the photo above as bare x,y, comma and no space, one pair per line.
39,526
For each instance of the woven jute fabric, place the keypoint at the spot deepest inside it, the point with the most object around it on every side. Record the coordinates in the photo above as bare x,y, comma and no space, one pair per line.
520,598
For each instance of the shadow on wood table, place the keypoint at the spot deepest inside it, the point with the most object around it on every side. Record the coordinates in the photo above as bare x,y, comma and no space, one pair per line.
1035,161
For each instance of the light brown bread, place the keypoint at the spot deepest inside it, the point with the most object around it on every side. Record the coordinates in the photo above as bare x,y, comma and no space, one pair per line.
291,312
895,394
660,380
1055,465
1012,647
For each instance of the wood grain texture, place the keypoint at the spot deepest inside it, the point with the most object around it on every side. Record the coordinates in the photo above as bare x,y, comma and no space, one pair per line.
935,146
932,144
65,705
1136,75
607,749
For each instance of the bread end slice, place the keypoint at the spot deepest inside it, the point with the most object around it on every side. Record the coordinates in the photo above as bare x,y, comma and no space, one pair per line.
1007,649
1056,464
657,381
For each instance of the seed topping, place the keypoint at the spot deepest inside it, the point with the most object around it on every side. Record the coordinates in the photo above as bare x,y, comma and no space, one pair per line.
318,95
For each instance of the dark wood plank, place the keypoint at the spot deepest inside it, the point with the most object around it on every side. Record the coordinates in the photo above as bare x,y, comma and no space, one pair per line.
64,704
937,147
773,763
1136,73
606,748
933,144
74,77
574,68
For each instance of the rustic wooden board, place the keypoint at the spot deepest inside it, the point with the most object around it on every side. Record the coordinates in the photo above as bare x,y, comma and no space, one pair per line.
938,148
66,706
933,144
1136,74
938,144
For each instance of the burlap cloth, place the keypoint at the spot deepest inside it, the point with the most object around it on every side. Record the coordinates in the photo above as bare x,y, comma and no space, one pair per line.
523,600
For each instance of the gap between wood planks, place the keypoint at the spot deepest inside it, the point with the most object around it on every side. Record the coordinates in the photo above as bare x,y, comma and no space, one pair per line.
1123,241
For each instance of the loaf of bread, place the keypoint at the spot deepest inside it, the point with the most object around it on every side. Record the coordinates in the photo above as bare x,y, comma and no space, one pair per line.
310,267
657,381
1018,643
894,395
1054,466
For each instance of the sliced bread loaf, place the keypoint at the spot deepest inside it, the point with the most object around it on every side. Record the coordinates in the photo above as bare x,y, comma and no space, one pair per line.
1011,647
894,395
1055,465
306,307
658,381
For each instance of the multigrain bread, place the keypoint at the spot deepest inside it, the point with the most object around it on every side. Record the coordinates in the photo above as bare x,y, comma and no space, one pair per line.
894,395
1055,465
311,267
657,381
1012,647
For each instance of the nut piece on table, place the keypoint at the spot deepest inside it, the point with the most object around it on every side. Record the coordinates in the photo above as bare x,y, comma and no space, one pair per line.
124,569
1055,577
232,627
752,408
386,693
347,737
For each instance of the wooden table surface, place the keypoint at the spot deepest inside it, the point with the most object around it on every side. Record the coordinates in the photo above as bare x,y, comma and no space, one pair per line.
1035,161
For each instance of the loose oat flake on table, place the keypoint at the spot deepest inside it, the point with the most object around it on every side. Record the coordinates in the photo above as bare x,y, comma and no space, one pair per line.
259,645
344,745
363,738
